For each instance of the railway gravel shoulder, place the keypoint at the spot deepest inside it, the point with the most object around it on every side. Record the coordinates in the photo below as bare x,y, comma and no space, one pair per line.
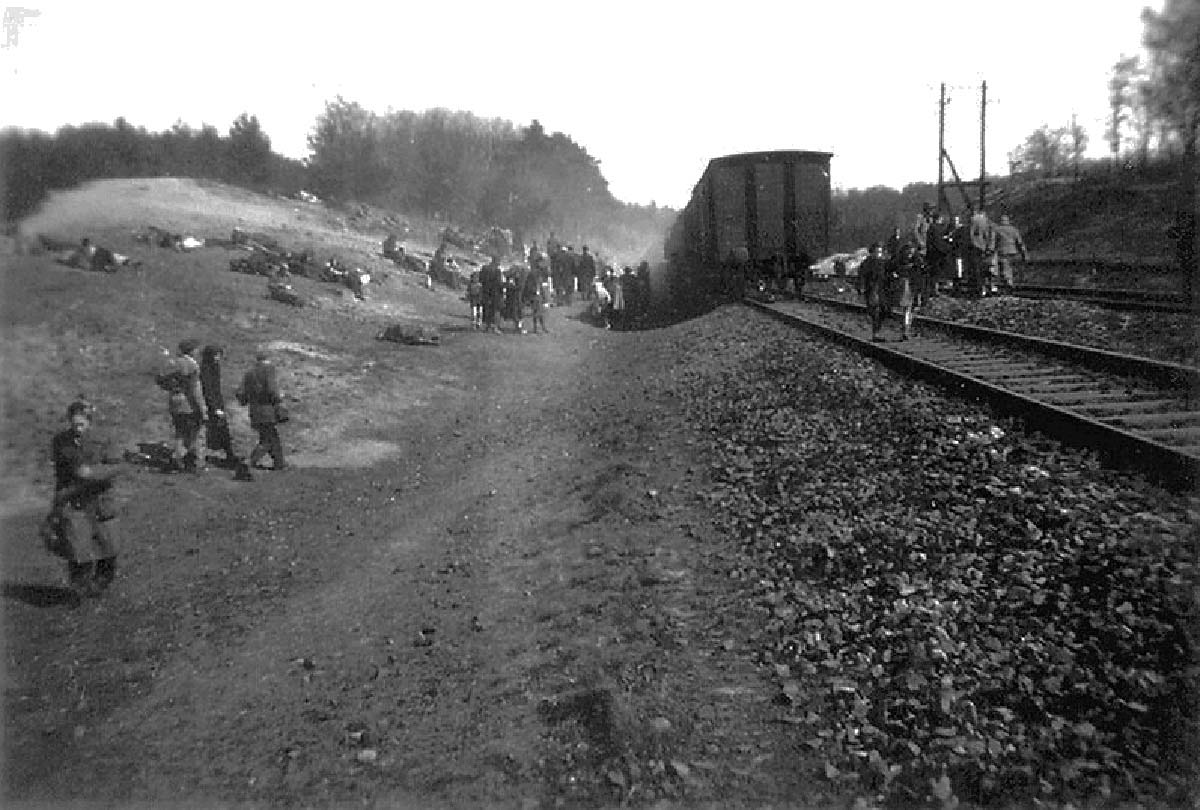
1066,390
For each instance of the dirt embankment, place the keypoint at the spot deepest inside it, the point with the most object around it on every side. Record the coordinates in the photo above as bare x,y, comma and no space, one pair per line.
486,581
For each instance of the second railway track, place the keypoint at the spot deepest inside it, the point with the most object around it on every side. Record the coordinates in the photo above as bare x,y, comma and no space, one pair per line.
1136,412
1144,300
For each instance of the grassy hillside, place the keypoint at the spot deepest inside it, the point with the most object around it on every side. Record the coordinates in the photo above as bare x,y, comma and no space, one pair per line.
1102,217
68,332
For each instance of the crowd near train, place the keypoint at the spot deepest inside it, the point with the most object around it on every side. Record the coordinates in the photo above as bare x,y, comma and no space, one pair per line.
757,221
522,294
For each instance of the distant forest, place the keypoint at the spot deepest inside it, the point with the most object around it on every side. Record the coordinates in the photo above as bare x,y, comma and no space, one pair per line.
455,167
443,165
33,163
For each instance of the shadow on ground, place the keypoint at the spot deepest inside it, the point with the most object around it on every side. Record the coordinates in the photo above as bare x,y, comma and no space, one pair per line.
40,595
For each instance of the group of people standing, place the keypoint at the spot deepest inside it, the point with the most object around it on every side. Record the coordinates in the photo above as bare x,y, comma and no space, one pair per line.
975,255
972,252
195,400
78,527
528,290
621,300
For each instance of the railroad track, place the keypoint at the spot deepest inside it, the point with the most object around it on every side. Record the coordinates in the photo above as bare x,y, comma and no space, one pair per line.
1152,300
1136,412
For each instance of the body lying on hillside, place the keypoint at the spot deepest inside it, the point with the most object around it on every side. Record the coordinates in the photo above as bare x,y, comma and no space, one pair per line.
410,335
94,257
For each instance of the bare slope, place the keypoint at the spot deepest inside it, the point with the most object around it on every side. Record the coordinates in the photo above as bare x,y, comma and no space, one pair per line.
68,332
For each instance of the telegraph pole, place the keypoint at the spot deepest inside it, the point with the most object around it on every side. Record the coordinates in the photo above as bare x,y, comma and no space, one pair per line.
982,144
941,192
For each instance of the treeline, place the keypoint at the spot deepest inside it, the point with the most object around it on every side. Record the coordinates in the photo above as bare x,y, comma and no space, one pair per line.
449,166
457,167
33,163
859,217
1154,103
1152,135
1155,99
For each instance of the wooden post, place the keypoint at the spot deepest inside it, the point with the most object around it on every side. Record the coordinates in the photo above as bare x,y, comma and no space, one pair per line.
941,193
982,144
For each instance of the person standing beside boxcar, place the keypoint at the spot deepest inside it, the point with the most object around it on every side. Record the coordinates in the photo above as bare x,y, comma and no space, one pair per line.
921,229
873,276
938,253
616,290
643,275
979,249
1009,245
905,278
960,241
891,248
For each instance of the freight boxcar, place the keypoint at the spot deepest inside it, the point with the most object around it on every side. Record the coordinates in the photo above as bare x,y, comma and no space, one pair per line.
750,214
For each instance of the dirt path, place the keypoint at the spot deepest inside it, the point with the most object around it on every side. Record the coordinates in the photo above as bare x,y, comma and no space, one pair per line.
529,609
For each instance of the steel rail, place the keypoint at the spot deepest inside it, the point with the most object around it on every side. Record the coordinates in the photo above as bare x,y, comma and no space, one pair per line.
1117,444
1173,375
1136,300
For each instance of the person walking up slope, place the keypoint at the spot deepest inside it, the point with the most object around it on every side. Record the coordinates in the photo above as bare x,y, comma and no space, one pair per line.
186,405
260,393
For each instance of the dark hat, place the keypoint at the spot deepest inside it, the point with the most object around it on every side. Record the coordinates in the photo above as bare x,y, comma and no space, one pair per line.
188,346
79,406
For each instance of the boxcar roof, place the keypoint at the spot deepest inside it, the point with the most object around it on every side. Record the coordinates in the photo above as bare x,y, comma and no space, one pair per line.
777,156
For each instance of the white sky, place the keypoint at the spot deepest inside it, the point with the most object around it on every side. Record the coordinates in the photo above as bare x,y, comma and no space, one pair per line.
653,89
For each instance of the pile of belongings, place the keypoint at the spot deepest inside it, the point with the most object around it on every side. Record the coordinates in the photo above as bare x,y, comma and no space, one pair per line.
282,291
444,269
269,258
497,241
165,239
259,263
394,251
411,335
457,238
252,240
355,278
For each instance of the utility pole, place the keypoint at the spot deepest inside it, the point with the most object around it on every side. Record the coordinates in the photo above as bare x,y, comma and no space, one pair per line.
982,144
941,192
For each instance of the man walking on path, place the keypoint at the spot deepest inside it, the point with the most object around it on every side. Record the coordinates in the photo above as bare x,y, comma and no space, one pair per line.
260,393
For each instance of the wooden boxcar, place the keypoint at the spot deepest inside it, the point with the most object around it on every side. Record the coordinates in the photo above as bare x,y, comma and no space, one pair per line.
748,212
